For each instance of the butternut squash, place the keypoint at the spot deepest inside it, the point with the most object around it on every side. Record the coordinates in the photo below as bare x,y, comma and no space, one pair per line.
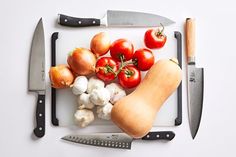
136,112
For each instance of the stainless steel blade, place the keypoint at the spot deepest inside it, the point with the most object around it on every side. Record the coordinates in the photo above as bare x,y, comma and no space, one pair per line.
195,97
135,19
37,60
111,140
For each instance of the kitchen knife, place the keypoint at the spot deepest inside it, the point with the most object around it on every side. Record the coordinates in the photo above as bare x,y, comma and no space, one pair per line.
37,76
195,80
114,18
116,140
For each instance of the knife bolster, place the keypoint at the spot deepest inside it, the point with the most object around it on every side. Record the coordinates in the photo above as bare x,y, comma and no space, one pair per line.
103,21
191,60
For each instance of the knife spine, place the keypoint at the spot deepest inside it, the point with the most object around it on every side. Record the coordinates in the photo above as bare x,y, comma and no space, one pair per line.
54,118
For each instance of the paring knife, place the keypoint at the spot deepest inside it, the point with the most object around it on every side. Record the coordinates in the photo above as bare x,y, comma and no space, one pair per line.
37,76
195,80
115,18
116,140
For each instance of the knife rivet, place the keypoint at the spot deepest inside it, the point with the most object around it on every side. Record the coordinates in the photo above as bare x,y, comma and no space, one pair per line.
94,22
40,128
79,22
40,114
157,136
40,101
167,135
65,20
148,136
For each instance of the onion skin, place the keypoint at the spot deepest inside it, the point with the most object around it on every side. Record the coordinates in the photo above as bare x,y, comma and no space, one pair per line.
61,76
100,44
82,61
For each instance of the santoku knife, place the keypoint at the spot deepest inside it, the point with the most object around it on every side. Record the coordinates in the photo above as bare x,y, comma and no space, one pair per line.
116,140
37,76
195,80
115,18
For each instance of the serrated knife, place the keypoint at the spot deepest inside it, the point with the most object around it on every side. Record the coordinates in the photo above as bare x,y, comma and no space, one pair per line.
116,140
115,18
36,82
194,80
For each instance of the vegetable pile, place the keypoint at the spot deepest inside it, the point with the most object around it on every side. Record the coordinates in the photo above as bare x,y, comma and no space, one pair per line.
93,93
100,81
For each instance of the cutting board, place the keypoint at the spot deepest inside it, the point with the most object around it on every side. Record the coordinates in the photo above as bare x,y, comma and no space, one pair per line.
70,38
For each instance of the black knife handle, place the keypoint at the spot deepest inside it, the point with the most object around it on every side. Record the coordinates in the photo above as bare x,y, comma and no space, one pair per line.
39,131
54,118
77,22
159,135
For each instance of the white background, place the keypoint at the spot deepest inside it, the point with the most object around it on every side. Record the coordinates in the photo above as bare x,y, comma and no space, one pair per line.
216,32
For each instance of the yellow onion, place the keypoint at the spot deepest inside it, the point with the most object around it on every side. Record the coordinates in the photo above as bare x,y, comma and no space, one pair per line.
82,61
61,76
100,44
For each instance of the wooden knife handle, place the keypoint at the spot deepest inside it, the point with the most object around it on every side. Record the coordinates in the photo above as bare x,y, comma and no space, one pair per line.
190,39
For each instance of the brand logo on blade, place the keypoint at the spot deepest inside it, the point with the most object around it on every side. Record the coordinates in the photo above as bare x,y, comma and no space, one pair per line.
192,77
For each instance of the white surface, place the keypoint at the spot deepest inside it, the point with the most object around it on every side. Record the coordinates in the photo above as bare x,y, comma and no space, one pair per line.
72,38
216,53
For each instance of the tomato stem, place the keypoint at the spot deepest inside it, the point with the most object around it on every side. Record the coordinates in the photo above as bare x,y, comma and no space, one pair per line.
162,28
160,32
110,69
128,73
123,64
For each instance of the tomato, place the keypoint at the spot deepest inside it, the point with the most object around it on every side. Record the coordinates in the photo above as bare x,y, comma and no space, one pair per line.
129,76
143,59
106,68
122,48
155,38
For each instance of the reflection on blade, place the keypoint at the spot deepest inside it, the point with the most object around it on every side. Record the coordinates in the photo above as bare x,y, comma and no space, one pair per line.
135,19
37,60
111,140
195,102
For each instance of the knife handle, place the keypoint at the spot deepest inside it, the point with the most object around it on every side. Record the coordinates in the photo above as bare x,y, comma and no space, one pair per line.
178,119
159,135
39,131
190,39
77,22
54,118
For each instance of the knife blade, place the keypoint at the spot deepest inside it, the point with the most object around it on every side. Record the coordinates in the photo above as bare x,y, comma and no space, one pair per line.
36,82
195,80
115,18
116,140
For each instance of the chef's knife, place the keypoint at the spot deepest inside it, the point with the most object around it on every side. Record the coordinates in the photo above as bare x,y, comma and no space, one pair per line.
195,80
37,76
115,18
116,140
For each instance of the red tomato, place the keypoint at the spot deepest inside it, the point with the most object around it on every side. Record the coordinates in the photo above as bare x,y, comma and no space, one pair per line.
122,48
129,76
106,68
143,59
154,38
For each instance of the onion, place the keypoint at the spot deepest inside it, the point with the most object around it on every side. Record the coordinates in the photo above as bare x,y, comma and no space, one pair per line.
100,44
82,61
61,76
